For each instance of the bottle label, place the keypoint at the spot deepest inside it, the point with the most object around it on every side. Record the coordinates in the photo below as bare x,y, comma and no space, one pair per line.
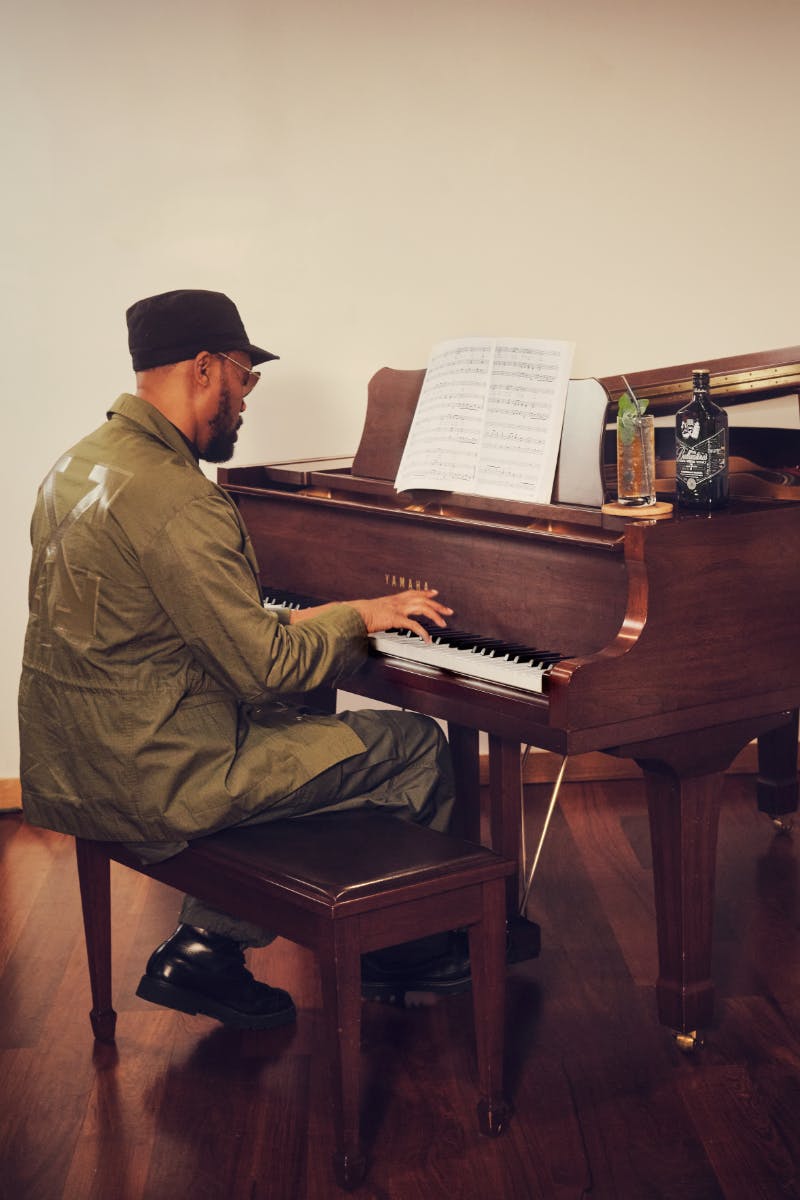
697,464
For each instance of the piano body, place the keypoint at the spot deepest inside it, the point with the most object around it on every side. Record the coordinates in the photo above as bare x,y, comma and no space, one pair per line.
680,638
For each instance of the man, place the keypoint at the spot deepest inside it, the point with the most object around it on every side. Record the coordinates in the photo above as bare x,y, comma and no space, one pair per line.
155,699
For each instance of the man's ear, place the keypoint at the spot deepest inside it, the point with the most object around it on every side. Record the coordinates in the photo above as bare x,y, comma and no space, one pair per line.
200,366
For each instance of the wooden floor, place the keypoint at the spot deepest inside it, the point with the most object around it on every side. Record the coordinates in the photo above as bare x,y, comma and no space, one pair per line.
605,1105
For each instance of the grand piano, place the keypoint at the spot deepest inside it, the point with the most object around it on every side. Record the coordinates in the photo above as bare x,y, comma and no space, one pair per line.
670,642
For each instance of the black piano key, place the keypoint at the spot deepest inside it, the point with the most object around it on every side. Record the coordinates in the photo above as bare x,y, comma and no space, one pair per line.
464,640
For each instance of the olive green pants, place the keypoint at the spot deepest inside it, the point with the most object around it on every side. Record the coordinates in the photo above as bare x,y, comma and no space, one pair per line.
405,770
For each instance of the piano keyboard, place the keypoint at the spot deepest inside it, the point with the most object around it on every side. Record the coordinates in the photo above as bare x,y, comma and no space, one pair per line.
453,650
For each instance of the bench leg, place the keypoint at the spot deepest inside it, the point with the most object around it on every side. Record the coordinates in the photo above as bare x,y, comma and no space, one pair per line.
488,957
340,971
94,877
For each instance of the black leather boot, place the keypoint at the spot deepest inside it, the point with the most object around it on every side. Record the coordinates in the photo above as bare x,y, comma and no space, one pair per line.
439,965
197,971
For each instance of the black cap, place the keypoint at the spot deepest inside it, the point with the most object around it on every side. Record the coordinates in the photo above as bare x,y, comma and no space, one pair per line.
175,326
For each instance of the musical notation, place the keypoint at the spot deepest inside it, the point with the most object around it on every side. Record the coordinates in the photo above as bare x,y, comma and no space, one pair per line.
488,419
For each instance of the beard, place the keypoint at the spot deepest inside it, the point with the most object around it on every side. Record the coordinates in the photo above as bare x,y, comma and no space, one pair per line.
223,431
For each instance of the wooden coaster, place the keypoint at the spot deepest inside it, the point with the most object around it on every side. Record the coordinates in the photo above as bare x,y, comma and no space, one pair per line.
639,512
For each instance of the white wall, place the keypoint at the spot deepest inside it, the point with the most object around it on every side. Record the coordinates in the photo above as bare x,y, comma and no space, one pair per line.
367,178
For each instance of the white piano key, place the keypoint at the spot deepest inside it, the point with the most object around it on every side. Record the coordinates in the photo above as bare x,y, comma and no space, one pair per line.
526,676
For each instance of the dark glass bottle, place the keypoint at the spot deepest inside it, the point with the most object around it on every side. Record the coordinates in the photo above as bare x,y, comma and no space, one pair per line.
701,449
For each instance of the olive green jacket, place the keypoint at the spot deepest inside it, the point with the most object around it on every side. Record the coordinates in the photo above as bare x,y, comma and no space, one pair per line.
150,700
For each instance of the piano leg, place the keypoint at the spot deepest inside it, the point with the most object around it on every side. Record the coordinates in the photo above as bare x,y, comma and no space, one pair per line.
505,808
684,817
777,771
505,828
684,775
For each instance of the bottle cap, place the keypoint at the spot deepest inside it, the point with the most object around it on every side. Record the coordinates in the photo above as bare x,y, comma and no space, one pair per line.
700,378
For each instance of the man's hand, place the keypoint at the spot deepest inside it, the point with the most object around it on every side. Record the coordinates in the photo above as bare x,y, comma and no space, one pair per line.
390,612
395,611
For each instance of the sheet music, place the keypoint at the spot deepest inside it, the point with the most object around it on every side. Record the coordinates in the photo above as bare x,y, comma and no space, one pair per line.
488,420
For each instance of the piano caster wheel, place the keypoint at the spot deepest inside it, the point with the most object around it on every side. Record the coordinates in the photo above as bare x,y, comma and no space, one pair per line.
783,824
689,1041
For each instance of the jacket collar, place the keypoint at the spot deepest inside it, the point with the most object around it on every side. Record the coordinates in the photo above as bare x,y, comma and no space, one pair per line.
153,422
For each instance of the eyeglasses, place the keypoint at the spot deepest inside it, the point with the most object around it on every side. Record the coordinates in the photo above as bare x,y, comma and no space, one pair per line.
251,378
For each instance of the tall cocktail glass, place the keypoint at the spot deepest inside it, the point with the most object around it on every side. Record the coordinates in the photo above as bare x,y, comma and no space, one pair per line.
636,459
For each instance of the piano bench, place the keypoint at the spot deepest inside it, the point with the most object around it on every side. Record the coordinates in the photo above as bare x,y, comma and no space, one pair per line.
341,886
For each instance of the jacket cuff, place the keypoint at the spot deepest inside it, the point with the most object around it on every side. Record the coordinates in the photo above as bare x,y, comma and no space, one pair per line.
280,611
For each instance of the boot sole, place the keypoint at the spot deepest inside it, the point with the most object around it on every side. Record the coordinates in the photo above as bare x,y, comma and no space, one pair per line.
168,996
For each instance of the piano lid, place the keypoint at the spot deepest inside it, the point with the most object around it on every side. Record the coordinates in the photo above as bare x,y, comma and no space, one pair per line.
761,394
739,379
